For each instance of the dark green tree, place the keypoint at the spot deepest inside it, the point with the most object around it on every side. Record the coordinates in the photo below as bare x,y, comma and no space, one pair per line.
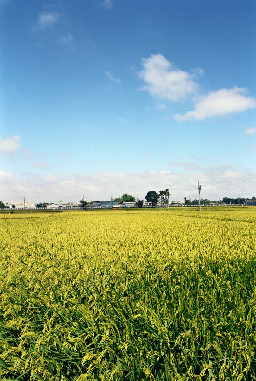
2,205
234,201
42,205
83,203
140,203
186,201
125,198
152,197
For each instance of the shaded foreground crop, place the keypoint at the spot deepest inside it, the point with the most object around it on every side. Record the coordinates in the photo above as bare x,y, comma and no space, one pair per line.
137,295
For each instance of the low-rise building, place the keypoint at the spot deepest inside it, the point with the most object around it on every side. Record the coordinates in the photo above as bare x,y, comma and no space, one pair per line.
21,205
53,206
251,202
147,204
176,203
104,204
129,204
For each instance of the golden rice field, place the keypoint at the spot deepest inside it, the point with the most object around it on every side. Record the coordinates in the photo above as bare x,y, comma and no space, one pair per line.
128,295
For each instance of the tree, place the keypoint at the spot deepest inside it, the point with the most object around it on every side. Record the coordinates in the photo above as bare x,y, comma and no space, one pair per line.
125,198
42,205
235,201
167,195
2,205
152,197
140,203
83,203
186,201
164,197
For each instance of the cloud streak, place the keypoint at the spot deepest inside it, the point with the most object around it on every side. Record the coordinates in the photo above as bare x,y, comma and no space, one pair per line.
112,78
66,40
108,4
38,164
250,131
219,103
46,19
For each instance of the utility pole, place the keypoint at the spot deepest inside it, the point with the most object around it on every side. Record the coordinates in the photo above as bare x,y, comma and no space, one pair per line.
24,203
83,203
199,191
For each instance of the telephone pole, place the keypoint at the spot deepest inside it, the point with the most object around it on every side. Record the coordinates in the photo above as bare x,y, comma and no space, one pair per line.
199,191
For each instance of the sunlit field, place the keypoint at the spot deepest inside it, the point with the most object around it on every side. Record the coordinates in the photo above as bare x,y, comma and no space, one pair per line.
128,295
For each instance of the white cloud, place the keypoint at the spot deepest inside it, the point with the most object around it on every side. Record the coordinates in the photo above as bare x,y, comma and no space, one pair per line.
161,106
187,165
27,154
219,103
10,145
113,79
251,131
66,40
46,19
108,4
67,154
217,182
40,165
165,81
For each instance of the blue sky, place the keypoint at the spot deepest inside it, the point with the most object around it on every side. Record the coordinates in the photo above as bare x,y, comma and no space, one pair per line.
101,98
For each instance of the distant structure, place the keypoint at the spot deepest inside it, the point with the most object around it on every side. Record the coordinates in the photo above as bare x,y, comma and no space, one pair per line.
129,204
21,205
199,191
104,204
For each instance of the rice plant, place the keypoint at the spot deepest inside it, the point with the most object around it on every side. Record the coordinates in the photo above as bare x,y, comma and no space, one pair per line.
128,295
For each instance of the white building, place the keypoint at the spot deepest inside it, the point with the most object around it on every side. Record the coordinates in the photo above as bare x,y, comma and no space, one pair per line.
129,204
147,204
176,203
21,205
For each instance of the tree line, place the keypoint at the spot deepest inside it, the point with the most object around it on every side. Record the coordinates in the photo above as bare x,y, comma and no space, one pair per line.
162,197
151,197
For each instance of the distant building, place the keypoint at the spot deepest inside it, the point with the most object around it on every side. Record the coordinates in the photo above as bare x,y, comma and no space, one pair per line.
104,204
129,204
68,205
176,203
118,206
147,204
21,205
251,202
54,206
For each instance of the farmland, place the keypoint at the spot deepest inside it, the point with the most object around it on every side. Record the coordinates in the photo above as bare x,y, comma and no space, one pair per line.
128,295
